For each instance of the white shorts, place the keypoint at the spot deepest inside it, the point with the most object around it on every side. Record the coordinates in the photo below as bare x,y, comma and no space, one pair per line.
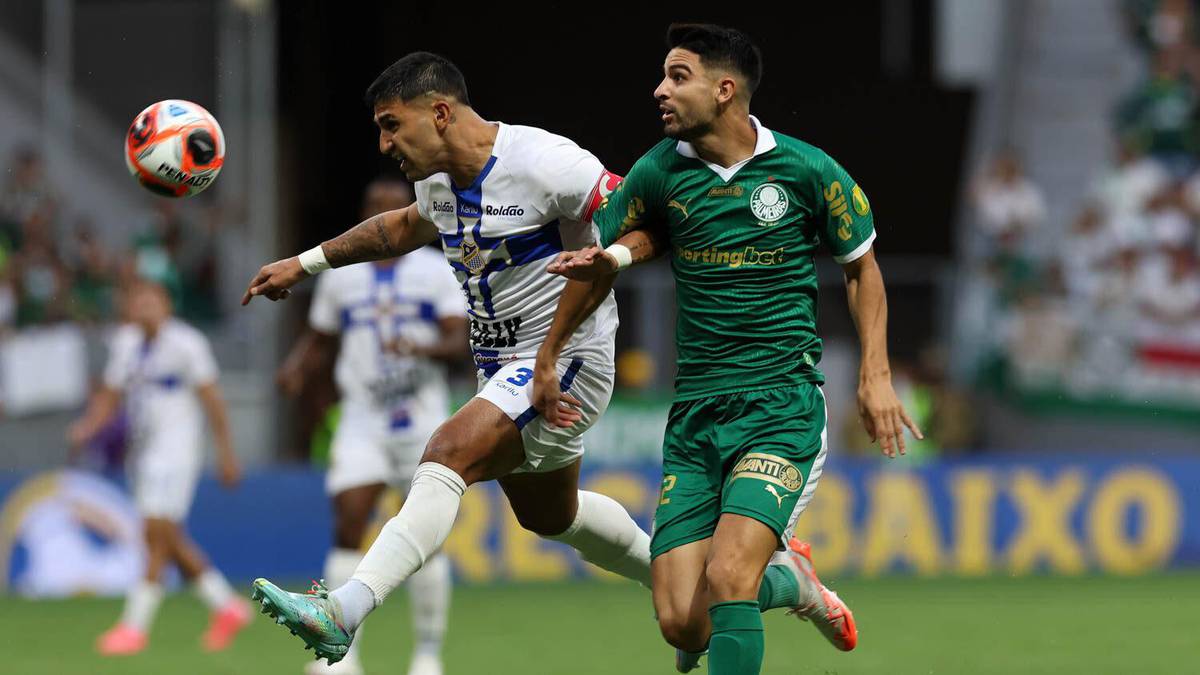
364,451
164,474
547,447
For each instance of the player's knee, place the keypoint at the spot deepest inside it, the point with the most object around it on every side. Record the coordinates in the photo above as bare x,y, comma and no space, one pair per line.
682,631
446,449
729,579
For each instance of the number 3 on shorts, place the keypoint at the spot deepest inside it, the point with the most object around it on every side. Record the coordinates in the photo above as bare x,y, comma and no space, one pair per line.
667,484
522,376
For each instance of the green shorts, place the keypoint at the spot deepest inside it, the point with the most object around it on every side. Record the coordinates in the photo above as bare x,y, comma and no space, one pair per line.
756,453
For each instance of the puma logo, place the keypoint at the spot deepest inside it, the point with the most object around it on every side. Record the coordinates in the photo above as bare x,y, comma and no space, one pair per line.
774,493
674,204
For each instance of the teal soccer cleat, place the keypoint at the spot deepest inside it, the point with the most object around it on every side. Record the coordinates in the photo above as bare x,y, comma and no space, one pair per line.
311,616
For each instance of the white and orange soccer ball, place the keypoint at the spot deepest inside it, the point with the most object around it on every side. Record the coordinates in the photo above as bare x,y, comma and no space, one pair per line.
175,148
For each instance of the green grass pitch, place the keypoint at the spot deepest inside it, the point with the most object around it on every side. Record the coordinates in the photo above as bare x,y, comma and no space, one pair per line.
1087,625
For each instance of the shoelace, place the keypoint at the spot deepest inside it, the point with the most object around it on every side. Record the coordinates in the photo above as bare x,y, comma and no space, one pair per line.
318,589
802,612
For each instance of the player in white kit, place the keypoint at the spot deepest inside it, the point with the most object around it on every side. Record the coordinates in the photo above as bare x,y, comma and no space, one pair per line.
398,322
164,371
502,200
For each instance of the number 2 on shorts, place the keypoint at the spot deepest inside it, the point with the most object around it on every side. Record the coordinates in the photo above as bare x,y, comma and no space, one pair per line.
667,484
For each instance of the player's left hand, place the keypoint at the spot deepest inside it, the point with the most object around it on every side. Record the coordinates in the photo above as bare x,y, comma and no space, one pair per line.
586,264
230,472
275,279
551,401
884,416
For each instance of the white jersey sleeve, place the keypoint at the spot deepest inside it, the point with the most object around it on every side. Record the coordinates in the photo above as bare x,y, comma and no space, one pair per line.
421,195
122,358
567,175
202,366
324,313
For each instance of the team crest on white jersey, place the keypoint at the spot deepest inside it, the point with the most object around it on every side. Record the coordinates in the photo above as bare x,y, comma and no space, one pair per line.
471,256
768,203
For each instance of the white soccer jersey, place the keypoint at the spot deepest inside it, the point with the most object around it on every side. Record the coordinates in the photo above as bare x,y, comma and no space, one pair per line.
372,307
158,378
533,199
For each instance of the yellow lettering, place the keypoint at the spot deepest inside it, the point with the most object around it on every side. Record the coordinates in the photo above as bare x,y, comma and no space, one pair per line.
1045,510
838,208
735,259
1155,497
827,524
668,482
974,510
467,545
831,192
900,526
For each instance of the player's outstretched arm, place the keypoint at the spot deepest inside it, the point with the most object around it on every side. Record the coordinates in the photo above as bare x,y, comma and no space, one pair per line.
100,410
882,413
218,418
387,235
579,299
593,262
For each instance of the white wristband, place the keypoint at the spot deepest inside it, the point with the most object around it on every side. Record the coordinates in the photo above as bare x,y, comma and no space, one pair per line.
622,254
313,260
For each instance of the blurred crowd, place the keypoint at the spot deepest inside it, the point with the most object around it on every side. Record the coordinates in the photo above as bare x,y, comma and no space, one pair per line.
55,267
1108,300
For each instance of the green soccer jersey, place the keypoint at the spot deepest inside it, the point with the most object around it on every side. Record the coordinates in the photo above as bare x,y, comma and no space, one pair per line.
742,246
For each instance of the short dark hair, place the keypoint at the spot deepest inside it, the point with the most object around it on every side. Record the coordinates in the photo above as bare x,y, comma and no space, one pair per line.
719,46
417,74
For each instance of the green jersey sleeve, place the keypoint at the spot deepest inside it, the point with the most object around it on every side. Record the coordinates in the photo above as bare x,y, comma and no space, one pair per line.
843,215
635,203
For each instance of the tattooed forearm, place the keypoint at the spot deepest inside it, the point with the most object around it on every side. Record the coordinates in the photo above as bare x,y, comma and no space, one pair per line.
644,244
364,242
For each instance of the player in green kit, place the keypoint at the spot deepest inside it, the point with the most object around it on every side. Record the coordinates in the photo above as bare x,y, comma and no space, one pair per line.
741,211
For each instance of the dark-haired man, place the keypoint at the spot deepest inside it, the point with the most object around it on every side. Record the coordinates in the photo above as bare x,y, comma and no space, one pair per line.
742,211
503,200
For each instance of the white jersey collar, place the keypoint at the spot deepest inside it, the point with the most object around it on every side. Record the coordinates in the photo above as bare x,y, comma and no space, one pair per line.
765,142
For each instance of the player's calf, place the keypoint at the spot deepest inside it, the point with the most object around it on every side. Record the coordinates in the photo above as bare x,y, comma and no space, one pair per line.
688,632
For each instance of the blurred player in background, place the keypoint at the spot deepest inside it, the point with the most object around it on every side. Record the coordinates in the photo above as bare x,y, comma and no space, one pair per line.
398,321
743,211
502,200
164,372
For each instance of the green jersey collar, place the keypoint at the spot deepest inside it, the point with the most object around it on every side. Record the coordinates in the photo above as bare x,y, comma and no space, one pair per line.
764,143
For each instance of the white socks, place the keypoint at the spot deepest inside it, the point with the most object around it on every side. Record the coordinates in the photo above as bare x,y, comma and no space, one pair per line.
213,589
407,540
606,536
340,563
429,591
141,603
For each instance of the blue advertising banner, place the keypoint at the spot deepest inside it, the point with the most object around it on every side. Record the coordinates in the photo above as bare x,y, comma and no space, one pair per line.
68,532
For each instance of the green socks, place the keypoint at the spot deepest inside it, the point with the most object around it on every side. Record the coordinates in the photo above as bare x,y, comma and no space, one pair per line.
736,645
779,589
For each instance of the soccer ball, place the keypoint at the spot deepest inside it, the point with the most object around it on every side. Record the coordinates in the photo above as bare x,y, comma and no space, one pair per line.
174,148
